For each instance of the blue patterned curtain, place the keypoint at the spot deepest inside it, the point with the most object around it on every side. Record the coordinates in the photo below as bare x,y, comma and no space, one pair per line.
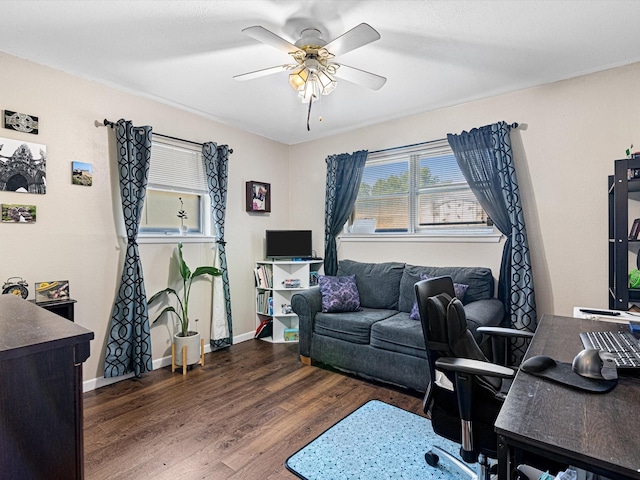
344,173
129,344
216,163
485,157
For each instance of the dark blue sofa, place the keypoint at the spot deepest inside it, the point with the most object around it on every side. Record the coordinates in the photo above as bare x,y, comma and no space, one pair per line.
381,342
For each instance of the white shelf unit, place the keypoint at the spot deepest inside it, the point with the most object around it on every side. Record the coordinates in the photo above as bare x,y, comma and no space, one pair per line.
272,296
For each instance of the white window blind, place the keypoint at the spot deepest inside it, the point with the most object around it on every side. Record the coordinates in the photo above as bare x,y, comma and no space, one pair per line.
384,192
176,168
177,180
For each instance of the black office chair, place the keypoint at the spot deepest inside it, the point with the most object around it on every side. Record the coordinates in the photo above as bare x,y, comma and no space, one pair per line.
466,413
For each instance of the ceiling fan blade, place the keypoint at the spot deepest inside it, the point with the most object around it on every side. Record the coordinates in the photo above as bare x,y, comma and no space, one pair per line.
354,38
263,35
261,73
360,77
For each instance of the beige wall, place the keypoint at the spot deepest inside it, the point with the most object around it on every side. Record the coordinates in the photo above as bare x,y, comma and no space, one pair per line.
571,132
75,236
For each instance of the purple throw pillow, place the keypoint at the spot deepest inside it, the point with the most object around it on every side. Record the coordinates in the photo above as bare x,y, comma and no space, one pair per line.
460,289
339,294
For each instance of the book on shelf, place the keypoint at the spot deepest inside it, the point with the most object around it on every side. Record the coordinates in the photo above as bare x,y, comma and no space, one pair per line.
264,276
635,229
313,278
264,303
265,329
261,279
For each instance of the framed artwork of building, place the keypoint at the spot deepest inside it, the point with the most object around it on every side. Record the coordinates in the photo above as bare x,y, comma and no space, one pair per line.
22,166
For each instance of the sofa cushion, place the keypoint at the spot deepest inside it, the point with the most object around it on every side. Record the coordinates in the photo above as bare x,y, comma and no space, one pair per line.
399,334
339,294
460,290
354,327
479,279
378,283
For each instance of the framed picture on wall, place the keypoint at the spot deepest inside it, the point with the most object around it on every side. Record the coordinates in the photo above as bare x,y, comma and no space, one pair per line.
81,174
18,213
23,166
258,197
54,291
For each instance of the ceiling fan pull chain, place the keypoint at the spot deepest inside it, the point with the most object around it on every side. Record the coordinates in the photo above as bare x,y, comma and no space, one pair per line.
309,112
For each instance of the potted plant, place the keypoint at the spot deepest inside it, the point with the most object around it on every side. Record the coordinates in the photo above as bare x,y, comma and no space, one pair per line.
184,336
182,215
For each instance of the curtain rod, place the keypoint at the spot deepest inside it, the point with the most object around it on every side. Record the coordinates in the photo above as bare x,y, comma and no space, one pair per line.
513,125
108,123
407,146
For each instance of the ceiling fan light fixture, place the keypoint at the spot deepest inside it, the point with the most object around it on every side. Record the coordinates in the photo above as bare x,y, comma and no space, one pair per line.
298,78
313,73
311,89
328,84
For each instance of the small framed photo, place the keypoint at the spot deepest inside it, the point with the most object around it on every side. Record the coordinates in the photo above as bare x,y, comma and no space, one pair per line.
20,122
18,213
54,291
258,197
81,174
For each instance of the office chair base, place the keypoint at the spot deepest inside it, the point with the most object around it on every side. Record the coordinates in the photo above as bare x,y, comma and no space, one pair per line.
482,471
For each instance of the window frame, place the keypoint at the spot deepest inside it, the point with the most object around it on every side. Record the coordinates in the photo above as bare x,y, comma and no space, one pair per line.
413,154
163,235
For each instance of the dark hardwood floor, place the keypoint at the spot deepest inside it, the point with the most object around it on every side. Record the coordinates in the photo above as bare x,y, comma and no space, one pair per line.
239,417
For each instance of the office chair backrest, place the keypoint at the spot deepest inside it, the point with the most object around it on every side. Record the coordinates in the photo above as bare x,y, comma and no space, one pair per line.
450,337
461,341
445,330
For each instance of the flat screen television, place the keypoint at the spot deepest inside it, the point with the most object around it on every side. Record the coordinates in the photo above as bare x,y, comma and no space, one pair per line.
288,244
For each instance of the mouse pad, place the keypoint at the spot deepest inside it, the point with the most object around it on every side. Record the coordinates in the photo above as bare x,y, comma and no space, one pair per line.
563,373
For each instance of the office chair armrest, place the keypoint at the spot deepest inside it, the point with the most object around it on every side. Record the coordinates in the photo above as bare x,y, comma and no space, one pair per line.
505,332
501,339
466,371
474,367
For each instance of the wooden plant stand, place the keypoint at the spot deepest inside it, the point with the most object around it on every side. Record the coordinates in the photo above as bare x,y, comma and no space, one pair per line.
184,357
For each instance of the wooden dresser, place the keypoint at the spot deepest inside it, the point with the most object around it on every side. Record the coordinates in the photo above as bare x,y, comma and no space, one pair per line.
41,424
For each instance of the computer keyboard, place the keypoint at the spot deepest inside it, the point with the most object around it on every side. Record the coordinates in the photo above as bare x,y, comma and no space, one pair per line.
622,344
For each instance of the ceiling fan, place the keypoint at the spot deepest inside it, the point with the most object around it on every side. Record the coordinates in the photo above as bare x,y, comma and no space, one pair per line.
314,71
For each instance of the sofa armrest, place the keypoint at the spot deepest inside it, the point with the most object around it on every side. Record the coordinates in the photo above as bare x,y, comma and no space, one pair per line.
484,313
306,304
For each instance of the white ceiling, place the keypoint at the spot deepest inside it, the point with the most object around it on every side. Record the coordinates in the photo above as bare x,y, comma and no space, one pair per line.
434,53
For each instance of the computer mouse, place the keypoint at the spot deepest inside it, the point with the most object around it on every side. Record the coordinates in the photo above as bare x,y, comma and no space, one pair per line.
539,363
596,364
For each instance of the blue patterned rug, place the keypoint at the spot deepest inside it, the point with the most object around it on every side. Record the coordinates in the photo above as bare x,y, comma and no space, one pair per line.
377,441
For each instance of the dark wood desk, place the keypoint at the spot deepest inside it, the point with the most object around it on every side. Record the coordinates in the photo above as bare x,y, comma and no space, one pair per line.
41,414
64,308
597,432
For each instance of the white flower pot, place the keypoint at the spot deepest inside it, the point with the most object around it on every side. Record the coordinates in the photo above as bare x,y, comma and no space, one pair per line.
192,342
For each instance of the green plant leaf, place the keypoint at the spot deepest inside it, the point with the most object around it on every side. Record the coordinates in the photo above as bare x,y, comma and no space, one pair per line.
158,294
167,309
185,273
213,271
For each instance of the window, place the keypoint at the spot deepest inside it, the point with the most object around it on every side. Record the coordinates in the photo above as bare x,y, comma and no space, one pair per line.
177,180
417,190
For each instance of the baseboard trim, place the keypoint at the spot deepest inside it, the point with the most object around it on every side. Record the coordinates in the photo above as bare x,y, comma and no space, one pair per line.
95,383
